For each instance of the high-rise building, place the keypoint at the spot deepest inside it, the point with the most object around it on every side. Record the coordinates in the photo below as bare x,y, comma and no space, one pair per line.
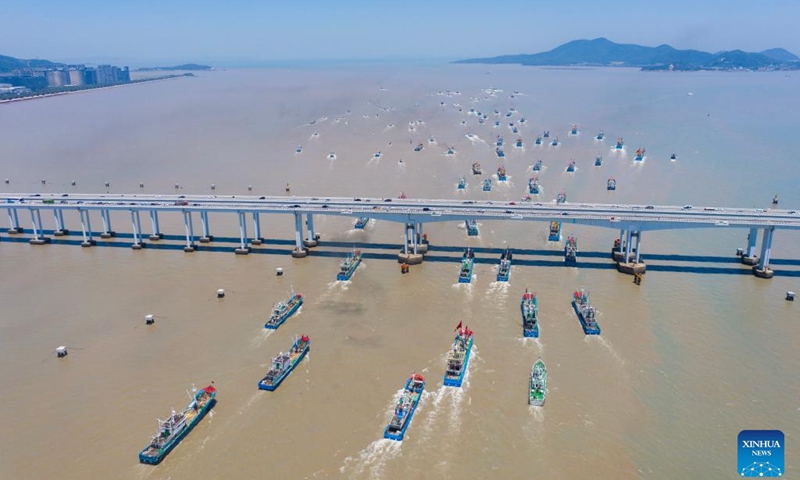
90,76
124,75
76,77
106,75
57,78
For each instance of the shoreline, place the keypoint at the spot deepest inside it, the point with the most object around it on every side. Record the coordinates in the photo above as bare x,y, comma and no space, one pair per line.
84,90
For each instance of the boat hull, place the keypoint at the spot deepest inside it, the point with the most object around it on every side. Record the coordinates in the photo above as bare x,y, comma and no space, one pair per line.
457,381
466,278
289,313
398,435
528,332
586,328
156,459
270,388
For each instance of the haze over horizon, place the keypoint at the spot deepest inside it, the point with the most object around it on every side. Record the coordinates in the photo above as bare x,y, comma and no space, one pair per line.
241,33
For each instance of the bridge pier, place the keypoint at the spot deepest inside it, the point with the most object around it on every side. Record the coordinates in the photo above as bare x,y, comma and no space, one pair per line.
187,223
313,239
105,215
256,230
38,233
762,270
412,257
422,240
136,223
156,227
13,220
749,257
86,226
299,251
618,252
206,238
637,266
243,249
59,217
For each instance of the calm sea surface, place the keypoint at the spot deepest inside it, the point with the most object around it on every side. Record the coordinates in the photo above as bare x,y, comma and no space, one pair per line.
700,351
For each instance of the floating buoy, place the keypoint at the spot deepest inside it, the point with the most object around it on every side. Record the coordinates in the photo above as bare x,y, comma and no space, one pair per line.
279,272
149,319
790,296
61,351
404,268
221,293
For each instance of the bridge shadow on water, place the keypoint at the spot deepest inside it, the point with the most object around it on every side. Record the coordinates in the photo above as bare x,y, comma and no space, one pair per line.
436,254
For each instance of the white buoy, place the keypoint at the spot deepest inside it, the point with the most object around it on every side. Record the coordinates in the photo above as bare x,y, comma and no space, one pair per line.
149,319
790,296
221,293
61,351
279,271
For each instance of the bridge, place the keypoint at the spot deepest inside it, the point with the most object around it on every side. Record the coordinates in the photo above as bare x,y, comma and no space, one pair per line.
630,220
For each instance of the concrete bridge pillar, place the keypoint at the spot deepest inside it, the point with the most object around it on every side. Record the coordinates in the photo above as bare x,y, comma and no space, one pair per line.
13,220
257,239
157,235
637,266
187,223
313,239
105,216
136,222
749,257
204,223
243,249
410,234
59,217
762,270
299,250
38,233
86,226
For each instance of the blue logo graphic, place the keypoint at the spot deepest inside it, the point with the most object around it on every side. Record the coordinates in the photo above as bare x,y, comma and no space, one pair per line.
761,453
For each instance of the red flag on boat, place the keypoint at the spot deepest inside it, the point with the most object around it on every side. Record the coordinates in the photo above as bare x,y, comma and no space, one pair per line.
459,326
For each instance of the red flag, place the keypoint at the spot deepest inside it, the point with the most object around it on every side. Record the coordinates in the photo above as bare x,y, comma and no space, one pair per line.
459,326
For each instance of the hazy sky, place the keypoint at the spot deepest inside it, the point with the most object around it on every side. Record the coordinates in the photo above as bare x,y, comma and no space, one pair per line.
144,32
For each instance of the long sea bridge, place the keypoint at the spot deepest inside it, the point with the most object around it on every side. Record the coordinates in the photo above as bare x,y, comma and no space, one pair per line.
629,220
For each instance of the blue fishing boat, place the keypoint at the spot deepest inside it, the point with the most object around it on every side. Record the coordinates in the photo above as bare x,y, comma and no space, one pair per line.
476,168
571,251
519,142
487,185
586,312
555,232
673,157
405,408
467,261
172,430
499,151
501,174
281,311
377,154
418,148
573,130
509,114
349,265
554,142
611,184
451,151
619,144
546,134
504,270
284,363
499,142
462,183
538,140
571,166
598,161
537,166
639,155
496,124
299,149
472,227
530,315
431,140
515,130
522,120
600,135
458,357
533,186
561,197
361,223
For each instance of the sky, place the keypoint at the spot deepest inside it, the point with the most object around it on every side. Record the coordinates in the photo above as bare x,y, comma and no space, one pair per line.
244,33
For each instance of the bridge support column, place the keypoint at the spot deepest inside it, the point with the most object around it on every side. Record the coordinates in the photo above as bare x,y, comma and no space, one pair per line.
313,239
412,257
60,230
204,222
618,250
156,227
422,241
256,229
299,251
13,220
86,226
638,245
187,223
136,223
637,266
762,270
243,249
749,257
105,215
38,233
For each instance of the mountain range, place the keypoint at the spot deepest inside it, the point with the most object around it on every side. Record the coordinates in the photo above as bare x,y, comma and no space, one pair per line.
603,52
8,64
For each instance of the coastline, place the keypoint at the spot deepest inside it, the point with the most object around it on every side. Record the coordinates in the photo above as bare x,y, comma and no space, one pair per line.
84,90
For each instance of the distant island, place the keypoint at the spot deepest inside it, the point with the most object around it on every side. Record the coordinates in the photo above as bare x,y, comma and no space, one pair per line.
186,66
605,53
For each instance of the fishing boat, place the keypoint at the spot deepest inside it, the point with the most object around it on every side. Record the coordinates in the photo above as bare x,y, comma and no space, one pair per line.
504,270
172,430
431,140
619,144
533,185
673,157
281,311
458,357
515,130
555,232
402,195
284,363
496,124
361,222
501,174
600,135
639,155
451,151
349,265
546,134
465,274
522,120
476,168
573,130
537,166
775,199
377,154
530,315
519,143
571,166
499,151
586,312
571,251
561,197
499,141
538,384
611,184
405,407
418,148
487,185
462,183
554,142
331,156
472,227
509,114
538,140
598,161
299,149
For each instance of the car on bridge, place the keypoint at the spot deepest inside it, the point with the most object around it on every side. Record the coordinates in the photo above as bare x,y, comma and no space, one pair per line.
687,207
649,207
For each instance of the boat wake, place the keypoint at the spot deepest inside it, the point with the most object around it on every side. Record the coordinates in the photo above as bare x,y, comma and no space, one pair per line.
498,290
264,334
537,413
476,139
466,287
372,460
535,342
608,346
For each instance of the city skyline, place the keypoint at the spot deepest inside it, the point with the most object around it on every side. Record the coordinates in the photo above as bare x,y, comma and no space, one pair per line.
248,34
